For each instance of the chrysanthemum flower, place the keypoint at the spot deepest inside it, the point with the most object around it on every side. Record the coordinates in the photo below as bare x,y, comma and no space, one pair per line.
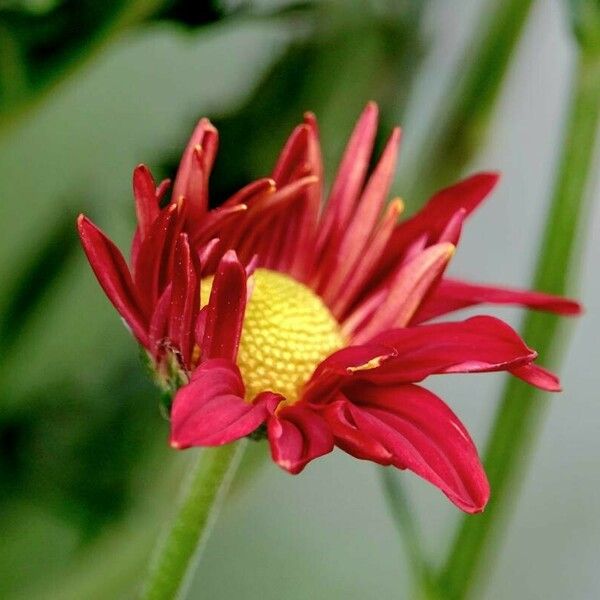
277,312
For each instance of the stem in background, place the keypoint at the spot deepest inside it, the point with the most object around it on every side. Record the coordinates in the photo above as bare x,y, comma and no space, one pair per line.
520,413
458,129
399,506
202,496
462,121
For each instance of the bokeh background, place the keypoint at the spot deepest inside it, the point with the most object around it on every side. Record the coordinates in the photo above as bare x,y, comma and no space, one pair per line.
87,91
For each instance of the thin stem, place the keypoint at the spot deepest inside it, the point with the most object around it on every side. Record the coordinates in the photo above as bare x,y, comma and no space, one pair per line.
520,413
202,496
463,118
399,506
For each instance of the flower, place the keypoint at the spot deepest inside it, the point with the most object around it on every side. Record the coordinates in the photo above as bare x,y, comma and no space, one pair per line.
273,313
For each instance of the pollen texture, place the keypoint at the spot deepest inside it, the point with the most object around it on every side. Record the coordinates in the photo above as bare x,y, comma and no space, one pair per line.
287,332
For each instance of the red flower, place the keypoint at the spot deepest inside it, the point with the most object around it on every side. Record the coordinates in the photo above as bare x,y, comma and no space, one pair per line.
273,311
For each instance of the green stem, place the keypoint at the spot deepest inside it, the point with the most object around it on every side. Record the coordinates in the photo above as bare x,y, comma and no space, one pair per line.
520,413
399,506
202,497
462,121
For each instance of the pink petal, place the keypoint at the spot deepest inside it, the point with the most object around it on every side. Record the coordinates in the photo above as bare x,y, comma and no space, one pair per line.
298,435
409,286
113,275
350,178
420,433
226,309
356,288
538,377
211,410
451,295
355,239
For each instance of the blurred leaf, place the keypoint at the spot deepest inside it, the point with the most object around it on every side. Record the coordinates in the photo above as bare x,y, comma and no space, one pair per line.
585,19
53,41
37,274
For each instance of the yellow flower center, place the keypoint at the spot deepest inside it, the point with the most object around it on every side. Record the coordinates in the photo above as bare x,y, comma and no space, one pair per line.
287,332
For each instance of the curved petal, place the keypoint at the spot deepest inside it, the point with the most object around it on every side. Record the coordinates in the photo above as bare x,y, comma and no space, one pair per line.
211,410
538,377
196,163
479,344
225,311
113,275
441,208
419,432
298,435
146,201
452,294
185,304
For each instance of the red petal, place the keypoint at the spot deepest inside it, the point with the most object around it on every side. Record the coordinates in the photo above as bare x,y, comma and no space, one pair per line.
420,433
146,201
479,344
538,377
226,308
113,275
159,322
154,257
185,300
451,295
196,163
298,435
441,208
211,410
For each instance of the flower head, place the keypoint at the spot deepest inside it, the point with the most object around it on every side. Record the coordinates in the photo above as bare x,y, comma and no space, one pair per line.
309,318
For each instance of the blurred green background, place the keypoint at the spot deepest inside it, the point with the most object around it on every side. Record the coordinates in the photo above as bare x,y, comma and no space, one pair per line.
87,91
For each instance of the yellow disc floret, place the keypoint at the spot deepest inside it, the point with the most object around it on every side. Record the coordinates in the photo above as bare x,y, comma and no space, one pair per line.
287,332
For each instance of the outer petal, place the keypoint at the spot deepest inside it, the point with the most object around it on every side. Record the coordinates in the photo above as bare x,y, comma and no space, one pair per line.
441,208
146,201
114,277
211,410
451,295
433,223
226,308
298,435
420,433
185,304
479,344
538,377
196,163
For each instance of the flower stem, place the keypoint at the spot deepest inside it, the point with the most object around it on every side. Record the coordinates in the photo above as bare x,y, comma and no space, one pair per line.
399,506
202,496
461,124
520,413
